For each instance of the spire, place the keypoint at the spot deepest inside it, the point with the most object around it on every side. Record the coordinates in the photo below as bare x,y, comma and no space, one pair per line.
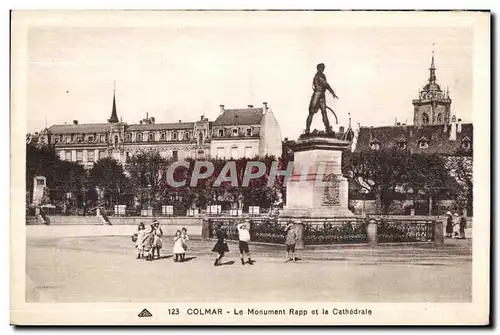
432,69
114,115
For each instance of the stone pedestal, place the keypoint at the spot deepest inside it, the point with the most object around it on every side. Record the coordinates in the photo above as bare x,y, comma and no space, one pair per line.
317,187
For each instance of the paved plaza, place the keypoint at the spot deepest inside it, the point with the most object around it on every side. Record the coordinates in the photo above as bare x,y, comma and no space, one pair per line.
105,269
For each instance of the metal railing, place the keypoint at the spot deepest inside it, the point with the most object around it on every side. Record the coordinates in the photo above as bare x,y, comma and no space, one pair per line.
342,230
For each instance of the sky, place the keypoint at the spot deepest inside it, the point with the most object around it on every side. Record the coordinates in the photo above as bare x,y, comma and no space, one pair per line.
180,71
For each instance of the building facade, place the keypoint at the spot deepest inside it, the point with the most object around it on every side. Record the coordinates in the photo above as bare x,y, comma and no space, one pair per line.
235,133
248,132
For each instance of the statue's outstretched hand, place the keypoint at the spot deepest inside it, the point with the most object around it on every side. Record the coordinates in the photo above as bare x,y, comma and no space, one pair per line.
334,95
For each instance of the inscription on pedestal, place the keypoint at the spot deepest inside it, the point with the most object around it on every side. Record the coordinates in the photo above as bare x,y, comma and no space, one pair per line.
331,195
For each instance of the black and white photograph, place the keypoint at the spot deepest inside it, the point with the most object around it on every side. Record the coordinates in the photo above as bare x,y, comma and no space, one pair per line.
250,167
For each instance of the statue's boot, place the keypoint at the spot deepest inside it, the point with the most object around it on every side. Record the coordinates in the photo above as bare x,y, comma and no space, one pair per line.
329,129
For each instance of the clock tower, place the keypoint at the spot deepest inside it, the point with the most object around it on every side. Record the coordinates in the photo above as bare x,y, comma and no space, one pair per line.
433,104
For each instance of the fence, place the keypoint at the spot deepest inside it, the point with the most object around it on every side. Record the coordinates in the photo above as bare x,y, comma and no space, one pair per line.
405,230
352,230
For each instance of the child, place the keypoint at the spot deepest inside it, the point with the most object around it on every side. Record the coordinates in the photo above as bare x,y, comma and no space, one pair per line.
463,226
139,243
244,238
221,246
157,244
290,240
178,249
149,243
184,238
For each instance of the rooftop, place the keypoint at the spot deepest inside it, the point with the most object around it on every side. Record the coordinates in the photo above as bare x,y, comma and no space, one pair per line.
438,137
244,116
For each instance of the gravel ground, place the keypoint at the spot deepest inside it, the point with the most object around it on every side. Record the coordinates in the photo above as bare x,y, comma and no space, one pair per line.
105,269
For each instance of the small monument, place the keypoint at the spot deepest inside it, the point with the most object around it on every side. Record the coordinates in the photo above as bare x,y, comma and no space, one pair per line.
322,191
39,184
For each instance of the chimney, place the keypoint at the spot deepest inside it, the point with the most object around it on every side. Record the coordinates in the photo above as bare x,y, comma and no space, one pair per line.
264,106
180,121
398,124
341,129
140,122
221,108
459,126
152,119
147,115
202,117
250,106
453,129
75,121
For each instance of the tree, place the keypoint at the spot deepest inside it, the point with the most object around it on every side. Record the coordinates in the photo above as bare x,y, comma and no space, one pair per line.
378,172
62,176
386,173
108,175
460,167
145,170
428,175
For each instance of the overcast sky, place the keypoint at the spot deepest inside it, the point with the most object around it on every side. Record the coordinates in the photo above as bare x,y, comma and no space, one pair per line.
181,71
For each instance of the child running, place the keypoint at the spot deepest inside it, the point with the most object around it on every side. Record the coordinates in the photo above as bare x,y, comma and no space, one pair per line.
221,246
244,238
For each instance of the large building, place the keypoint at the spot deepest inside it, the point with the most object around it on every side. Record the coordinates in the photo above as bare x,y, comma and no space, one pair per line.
246,132
433,130
236,133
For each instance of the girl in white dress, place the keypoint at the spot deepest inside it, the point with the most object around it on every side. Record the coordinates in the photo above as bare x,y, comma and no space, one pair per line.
139,244
178,249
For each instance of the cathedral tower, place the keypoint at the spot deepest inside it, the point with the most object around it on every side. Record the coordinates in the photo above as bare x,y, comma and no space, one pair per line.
433,104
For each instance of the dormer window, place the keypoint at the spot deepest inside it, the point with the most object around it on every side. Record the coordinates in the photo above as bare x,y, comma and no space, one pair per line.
249,131
79,139
221,132
128,137
402,145
139,137
90,138
162,136
151,137
375,145
186,135
466,143
174,136
423,143
235,131
68,139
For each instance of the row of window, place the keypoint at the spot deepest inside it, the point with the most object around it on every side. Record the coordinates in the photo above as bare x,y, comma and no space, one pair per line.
375,145
151,137
234,132
128,138
68,155
79,139
234,152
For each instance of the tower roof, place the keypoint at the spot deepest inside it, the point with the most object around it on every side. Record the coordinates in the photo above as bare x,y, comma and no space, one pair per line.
114,115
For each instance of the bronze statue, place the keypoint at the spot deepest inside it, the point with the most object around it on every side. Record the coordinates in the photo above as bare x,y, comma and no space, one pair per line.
318,101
